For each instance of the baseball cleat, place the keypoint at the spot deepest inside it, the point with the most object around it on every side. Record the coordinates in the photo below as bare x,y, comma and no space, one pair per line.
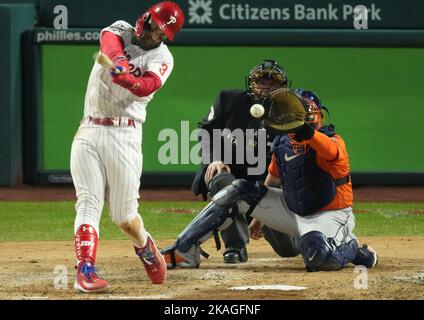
235,255
87,279
153,261
366,256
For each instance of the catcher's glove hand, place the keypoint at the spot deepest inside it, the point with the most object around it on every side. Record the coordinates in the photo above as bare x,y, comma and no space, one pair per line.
304,132
287,112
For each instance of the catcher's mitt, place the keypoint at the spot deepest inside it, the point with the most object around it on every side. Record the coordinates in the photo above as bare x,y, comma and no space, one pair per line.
287,112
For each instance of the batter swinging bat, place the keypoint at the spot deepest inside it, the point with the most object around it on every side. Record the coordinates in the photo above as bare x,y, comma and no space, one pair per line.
105,61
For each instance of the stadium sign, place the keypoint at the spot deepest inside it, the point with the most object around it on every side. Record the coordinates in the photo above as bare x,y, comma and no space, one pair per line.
306,13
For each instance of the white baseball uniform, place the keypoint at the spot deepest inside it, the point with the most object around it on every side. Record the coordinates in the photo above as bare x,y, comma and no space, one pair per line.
106,161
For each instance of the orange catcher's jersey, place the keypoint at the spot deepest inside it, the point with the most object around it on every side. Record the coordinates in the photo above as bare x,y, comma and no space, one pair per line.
105,99
332,157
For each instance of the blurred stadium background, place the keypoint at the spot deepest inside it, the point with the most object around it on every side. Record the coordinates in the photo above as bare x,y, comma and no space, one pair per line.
370,79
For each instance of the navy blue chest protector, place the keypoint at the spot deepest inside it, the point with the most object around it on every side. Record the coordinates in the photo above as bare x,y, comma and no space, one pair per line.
306,187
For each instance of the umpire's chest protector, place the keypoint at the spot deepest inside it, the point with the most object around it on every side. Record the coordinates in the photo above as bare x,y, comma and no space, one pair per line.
306,187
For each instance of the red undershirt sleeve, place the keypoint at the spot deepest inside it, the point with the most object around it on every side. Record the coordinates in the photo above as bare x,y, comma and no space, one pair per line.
112,45
146,84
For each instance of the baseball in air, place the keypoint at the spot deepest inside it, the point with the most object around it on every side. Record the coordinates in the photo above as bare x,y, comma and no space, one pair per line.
257,110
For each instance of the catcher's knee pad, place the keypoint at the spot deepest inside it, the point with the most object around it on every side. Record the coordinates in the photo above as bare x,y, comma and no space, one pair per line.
315,250
320,255
220,181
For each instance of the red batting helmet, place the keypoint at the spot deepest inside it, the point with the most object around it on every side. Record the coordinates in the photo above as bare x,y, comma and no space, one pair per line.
167,15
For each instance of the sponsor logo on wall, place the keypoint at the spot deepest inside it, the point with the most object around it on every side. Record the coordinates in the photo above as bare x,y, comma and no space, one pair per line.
209,12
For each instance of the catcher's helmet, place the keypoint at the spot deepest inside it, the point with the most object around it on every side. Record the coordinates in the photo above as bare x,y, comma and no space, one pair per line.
313,107
167,15
268,69
309,95
314,117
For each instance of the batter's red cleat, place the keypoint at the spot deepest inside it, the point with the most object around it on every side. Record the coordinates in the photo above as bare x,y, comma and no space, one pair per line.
153,261
87,279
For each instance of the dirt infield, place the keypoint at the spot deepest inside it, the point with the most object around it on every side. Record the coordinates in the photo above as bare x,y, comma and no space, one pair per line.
27,269
65,193
27,272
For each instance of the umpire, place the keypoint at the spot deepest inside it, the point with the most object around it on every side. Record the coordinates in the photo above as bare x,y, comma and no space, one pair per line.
231,111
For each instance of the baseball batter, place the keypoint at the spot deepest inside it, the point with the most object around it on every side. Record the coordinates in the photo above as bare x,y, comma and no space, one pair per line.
313,205
106,156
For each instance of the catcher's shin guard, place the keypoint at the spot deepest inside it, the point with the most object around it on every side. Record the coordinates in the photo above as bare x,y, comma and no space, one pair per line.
215,216
212,218
190,259
320,255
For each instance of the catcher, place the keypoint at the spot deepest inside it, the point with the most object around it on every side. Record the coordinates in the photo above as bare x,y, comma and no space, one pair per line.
311,165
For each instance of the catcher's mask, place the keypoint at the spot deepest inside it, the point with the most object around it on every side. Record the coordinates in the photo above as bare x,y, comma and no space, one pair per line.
167,15
267,70
314,117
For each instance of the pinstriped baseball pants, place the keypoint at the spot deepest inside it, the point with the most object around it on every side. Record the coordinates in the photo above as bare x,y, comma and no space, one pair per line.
106,164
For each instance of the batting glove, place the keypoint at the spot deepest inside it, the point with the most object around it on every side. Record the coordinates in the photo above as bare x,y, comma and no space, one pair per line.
121,64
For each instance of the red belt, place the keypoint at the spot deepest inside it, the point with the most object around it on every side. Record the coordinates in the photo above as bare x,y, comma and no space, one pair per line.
116,122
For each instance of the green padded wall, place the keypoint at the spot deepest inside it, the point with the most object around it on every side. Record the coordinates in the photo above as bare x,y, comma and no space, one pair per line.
375,98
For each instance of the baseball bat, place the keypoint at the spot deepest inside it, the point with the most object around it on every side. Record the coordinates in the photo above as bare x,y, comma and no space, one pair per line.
106,62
